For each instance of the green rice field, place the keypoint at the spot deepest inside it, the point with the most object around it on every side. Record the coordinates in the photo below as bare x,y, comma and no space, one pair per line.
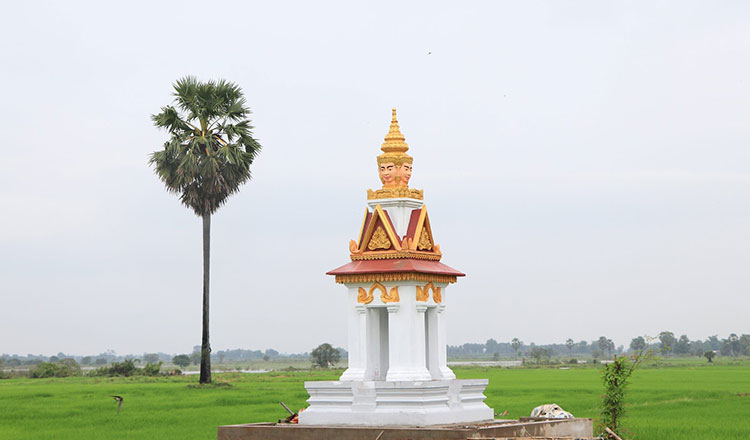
690,401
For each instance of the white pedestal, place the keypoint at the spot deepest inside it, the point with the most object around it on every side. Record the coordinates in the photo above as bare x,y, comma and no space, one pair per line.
386,403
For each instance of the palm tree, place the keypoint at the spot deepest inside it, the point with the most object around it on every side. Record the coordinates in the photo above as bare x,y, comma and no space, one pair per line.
205,160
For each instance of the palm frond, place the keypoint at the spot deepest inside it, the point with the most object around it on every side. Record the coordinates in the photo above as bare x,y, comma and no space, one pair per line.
211,145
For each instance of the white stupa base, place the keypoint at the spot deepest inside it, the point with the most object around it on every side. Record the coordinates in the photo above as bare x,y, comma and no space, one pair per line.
384,403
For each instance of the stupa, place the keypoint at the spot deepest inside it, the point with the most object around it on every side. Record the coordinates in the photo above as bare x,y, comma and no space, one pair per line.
396,306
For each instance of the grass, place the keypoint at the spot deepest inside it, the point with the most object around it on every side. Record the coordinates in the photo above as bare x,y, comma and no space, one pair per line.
662,403
677,401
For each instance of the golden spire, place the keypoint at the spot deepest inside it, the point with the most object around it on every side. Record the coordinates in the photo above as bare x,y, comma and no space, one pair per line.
394,148
394,140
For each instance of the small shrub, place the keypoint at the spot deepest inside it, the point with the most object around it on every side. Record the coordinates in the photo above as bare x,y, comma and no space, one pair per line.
152,369
45,369
125,368
573,361
64,368
615,376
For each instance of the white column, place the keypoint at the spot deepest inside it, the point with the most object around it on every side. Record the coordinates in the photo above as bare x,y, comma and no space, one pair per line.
433,350
419,350
374,369
398,365
357,345
442,343
406,339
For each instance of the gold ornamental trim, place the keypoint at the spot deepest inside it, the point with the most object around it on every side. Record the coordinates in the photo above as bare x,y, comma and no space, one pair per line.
392,255
436,295
395,193
380,287
363,297
361,231
423,293
400,276
390,298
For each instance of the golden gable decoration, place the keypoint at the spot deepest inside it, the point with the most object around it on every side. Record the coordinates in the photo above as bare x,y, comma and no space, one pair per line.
379,240
425,244
378,235
424,232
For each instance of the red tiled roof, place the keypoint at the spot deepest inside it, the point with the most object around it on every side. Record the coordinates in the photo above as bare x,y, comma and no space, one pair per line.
395,266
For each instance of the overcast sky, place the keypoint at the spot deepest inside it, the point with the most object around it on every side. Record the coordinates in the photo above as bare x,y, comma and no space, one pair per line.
586,164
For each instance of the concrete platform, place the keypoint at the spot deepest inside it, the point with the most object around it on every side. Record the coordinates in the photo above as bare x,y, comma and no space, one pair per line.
550,429
396,403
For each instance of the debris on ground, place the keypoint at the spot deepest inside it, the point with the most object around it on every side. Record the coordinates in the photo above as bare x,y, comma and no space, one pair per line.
293,417
550,411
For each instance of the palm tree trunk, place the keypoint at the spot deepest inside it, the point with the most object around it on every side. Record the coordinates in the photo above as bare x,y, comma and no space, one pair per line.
205,345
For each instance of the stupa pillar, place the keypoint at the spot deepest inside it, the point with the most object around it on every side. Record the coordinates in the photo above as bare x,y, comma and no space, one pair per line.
406,339
442,344
357,339
419,342
398,372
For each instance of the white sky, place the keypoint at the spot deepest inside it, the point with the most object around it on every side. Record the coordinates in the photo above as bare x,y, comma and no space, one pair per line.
585,163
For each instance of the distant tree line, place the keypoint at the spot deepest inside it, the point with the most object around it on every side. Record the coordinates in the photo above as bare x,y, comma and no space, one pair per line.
665,344
517,348
96,361
668,344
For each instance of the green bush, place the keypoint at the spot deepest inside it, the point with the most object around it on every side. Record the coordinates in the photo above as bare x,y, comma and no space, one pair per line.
125,368
64,368
152,369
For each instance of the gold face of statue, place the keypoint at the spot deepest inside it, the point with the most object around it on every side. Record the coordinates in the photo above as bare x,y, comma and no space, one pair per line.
404,173
387,173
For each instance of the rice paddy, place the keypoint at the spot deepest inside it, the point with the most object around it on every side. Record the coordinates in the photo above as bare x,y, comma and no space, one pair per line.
692,401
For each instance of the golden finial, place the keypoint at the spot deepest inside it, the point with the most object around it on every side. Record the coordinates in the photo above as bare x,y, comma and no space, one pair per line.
394,140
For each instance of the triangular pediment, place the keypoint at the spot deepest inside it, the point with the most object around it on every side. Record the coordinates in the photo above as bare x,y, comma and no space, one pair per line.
378,233
421,238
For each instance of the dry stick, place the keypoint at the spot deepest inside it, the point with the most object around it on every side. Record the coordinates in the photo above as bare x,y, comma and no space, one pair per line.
610,432
379,435
287,408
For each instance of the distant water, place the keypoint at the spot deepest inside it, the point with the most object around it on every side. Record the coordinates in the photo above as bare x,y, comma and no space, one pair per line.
488,363
228,371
